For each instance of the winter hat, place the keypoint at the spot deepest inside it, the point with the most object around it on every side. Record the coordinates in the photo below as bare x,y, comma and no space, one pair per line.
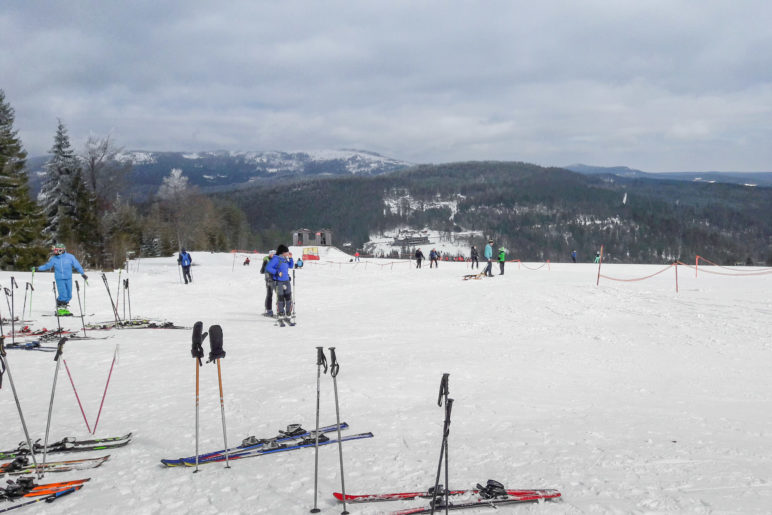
281,249
271,252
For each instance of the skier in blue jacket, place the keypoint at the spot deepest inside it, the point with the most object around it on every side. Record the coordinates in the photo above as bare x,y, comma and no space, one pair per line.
488,254
62,262
279,267
184,260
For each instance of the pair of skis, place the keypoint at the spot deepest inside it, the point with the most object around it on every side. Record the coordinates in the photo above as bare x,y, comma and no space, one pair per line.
491,495
69,445
25,489
22,465
293,439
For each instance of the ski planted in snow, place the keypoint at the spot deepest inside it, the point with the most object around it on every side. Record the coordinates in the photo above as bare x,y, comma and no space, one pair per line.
293,432
22,465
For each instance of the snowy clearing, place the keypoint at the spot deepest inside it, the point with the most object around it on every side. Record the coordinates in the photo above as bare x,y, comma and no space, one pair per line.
626,397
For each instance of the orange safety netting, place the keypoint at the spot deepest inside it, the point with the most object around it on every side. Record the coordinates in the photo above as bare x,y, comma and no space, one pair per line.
638,278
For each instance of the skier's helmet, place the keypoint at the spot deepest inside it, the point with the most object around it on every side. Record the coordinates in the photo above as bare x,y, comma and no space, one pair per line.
58,248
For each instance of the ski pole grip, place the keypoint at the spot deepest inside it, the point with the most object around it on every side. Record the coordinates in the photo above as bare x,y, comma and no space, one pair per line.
60,348
215,343
14,284
29,285
321,359
334,366
197,350
444,389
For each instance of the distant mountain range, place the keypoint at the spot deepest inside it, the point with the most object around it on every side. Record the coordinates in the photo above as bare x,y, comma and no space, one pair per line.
226,170
742,178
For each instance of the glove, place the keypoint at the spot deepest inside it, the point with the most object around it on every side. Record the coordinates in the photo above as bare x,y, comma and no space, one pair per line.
84,276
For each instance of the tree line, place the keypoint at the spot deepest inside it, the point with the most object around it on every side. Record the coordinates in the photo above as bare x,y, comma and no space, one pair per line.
83,204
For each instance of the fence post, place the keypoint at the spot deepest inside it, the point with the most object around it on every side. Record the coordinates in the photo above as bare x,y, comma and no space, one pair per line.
676,276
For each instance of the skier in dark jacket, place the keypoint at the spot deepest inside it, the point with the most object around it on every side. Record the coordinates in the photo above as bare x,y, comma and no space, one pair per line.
279,267
184,260
62,262
475,257
573,256
434,256
419,256
269,285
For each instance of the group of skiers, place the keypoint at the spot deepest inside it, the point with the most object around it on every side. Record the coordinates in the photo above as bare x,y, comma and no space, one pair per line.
488,255
434,258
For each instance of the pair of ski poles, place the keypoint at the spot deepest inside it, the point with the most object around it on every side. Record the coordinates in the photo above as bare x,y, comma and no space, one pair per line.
216,353
321,364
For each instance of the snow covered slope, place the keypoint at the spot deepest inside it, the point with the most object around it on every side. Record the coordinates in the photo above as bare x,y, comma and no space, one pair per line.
627,397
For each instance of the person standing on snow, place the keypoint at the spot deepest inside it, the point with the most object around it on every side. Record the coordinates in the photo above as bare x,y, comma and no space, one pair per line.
502,259
597,257
475,257
184,260
488,254
433,257
268,284
573,256
419,256
279,267
62,263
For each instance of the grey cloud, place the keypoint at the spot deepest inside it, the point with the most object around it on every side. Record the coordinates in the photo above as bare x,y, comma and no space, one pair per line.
655,85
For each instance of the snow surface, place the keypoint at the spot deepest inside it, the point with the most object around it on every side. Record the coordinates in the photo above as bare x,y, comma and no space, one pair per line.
627,397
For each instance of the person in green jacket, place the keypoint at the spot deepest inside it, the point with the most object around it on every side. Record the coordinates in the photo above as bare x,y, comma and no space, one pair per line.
502,259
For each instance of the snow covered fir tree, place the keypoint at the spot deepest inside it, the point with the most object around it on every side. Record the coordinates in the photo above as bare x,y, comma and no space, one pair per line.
21,222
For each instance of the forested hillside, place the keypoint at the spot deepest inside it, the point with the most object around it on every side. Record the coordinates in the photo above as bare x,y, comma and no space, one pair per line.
538,213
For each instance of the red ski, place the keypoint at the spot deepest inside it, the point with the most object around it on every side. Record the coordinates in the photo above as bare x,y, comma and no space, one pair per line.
403,496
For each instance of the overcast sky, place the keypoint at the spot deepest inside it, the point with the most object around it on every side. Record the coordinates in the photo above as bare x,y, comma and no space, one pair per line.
655,85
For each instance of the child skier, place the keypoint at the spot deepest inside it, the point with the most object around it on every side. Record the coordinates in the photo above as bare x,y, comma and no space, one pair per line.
63,263
502,259
279,267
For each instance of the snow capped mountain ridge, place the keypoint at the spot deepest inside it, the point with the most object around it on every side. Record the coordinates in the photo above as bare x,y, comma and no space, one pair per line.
338,161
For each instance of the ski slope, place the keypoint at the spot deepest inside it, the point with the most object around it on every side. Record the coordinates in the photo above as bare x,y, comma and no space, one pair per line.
626,397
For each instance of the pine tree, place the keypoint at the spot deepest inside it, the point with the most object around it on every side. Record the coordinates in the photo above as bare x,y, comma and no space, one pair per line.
58,192
86,232
21,222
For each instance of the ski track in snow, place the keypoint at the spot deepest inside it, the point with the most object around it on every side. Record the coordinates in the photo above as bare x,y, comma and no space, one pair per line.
627,397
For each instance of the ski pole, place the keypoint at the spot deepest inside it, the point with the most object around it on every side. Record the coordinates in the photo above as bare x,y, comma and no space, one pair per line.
56,301
8,302
80,307
7,369
59,350
321,361
128,293
124,299
31,283
109,375
76,395
115,310
27,286
13,311
334,368
443,397
294,294
118,291
216,353
197,351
